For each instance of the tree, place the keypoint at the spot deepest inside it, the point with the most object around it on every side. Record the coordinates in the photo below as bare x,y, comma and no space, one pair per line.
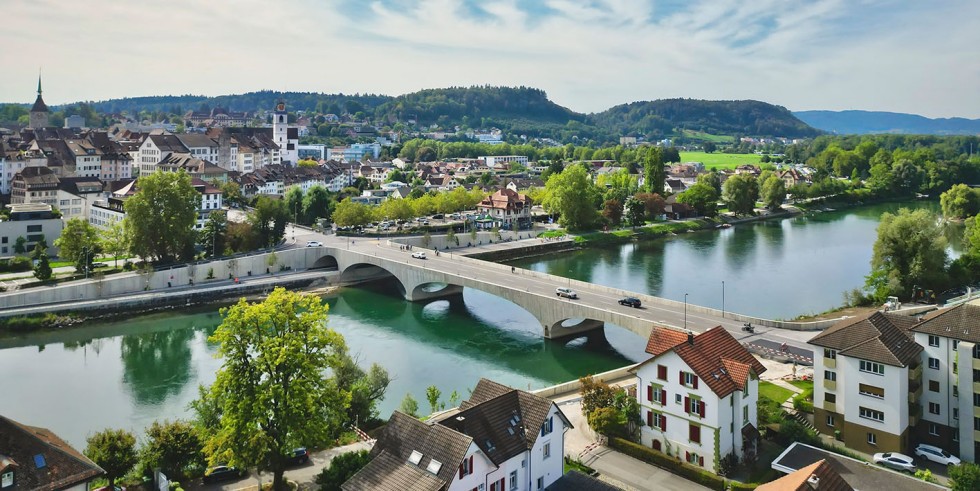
351,214
294,203
653,204
78,242
342,468
42,266
960,201
701,197
773,192
317,204
613,211
409,406
964,477
432,394
114,451
366,388
271,386
214,235
595,395
740,192
712,179
635,211
173,447
605,421
910,250
231,193
160,217
653,171
114,241
709,147
20,245
574,196
269,219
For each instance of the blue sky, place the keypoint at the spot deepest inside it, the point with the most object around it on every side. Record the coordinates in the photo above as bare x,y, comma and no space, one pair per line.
888,55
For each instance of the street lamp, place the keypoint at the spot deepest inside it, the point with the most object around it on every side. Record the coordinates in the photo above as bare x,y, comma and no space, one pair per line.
685,311
722,299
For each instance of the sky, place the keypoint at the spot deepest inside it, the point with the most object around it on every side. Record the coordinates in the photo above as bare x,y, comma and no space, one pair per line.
589,55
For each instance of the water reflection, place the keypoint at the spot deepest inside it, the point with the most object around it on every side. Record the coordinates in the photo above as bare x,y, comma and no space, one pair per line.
157,364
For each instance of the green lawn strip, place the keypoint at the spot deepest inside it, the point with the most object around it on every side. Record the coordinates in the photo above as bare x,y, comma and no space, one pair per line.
774,392
721,160
802,384
699,135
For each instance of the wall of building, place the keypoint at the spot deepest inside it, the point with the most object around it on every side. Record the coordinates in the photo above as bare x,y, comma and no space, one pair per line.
31,230
894,404
938,429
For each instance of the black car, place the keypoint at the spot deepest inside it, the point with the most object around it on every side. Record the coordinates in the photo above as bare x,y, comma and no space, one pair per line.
298,456
222,473
630,302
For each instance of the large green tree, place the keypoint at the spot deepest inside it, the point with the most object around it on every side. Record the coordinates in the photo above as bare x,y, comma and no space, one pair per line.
342,468
114,241
317,204
702,197
773,192
271,389
960,201
367,388
574,196
740,192
214,235
351,214
635,211
294,204
114,451
964,477
160,217
269,218
654,175
910,250
42,264
174,447
78,242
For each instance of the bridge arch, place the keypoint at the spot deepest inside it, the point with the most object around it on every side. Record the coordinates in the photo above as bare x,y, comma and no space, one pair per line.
328,262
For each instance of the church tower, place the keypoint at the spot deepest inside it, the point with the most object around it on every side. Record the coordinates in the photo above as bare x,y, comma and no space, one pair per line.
39,112
287,138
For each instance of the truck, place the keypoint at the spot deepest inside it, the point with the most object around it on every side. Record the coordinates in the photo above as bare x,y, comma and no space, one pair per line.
892,303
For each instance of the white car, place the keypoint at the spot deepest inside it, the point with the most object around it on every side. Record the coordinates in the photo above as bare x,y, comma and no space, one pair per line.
936,454
895,461
314,243
418,255
566,292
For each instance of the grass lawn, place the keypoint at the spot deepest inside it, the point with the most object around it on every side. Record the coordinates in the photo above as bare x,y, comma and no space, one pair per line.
698,135
803,384
721,160
774,392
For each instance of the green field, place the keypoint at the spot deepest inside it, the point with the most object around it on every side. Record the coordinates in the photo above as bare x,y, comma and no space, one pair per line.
721,160
697,135
774,392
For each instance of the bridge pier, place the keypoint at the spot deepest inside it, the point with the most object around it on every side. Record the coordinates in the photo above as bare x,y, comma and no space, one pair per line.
558,331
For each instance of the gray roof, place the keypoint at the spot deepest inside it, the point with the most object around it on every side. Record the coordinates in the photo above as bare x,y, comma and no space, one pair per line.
960,322
860,475
576,481
880,337
168,143
196,140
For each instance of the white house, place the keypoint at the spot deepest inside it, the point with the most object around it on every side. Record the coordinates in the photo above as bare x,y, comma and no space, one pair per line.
501,439
698,395
506,209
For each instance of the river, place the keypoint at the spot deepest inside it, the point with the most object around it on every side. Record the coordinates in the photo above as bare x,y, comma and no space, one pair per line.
125,374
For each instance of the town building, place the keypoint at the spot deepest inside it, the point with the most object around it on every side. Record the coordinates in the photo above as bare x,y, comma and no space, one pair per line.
33,222
506,209
501,439
503,161
697,395
104,212
286,137
155,148
808,468
39,111
868,382
35,458
217,116
76,195
34,185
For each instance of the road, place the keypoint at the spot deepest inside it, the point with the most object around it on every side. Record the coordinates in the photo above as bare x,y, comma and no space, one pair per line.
534,283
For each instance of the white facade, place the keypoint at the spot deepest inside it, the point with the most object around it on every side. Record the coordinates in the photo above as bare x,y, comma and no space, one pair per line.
10,167
493,161
288,148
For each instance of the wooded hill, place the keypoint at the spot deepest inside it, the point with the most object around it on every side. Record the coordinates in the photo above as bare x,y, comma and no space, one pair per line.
521,110
876,122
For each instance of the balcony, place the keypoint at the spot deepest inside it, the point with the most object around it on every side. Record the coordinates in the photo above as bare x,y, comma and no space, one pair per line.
830,362
832,384
915,392
830,406
915,411
916,372
976,363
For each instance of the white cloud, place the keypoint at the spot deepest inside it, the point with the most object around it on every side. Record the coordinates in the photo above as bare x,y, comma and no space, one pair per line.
588,55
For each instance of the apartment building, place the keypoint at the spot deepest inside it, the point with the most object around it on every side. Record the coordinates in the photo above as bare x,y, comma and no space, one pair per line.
697,394
868,382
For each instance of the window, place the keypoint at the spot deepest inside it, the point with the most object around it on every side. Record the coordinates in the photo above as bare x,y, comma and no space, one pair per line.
33,228
830,397
872,439
830,420
546,450
677,398
933,429
830,353
933,340
661,372
547,427
933,386
540,483
696,406
976,351
694,459
956,391
745,414
976,424
872,367
689,379
956,436
934,408
694,433
871,391
871,414
976,375
828,375
466,468
657,421
657,394
956,413
956,344
513,479
934,363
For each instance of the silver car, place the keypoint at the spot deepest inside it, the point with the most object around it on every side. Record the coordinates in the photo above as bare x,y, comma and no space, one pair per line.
895,460
566,292
936,454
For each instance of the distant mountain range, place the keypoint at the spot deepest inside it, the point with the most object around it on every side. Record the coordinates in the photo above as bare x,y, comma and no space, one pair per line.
864,122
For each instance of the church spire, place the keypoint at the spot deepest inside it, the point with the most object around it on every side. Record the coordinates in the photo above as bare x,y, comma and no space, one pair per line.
39,84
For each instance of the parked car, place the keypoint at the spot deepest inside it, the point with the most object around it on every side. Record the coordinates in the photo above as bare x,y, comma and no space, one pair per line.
298,456
314,243
630,302
936,454
418,255
895,461
566,292
222,473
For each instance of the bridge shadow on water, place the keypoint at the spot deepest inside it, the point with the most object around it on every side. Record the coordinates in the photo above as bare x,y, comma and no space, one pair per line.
483,327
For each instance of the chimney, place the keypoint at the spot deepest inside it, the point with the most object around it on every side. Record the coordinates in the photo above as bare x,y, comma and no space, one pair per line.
814,482
690,337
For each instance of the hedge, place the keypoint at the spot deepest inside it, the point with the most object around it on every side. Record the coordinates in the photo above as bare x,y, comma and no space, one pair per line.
668,463
16,264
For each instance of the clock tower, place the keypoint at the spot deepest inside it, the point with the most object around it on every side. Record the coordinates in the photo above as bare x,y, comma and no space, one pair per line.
287,138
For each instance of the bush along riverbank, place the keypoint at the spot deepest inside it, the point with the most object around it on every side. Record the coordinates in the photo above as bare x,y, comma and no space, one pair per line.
648,232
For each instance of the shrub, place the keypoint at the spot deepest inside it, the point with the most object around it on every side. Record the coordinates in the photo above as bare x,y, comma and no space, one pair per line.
670,464
804,401
342,468
742,486
16,264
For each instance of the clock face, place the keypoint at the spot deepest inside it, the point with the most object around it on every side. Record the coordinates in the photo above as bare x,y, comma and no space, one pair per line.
281,107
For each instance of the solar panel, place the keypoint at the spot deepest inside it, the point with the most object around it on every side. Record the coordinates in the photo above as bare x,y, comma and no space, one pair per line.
39,461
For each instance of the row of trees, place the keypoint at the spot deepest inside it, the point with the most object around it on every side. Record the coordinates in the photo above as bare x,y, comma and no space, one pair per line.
350,213
271,395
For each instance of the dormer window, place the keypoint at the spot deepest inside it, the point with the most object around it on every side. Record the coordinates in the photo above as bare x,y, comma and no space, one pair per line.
7,479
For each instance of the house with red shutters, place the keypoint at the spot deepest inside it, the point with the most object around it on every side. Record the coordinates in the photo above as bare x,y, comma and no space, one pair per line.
697,395
500,439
